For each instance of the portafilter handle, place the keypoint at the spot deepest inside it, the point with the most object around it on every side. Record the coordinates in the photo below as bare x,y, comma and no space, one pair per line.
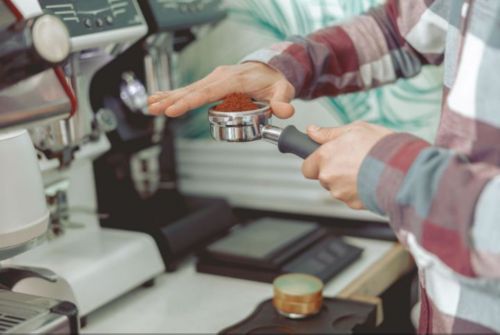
289,140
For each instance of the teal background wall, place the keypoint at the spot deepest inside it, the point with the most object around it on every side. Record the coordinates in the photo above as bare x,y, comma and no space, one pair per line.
255,175
408,105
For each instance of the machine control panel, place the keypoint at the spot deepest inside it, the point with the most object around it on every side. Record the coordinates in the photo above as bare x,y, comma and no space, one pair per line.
92,16
170,15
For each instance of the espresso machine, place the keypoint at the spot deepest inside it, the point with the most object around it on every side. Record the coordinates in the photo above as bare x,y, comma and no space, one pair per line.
137,178
94,265
32,92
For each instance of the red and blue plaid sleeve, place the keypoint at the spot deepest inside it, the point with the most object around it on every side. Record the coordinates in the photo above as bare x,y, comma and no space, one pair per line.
387,43
438,198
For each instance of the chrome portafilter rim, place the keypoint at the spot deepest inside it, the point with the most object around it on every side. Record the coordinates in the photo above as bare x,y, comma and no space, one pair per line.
239,126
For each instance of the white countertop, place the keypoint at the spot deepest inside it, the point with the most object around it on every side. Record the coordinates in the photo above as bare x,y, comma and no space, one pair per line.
189,302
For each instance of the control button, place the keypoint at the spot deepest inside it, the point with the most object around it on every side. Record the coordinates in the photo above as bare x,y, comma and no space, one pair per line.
99,22
87,22
109,20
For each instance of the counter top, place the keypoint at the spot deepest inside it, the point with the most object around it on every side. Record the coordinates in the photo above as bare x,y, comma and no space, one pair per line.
189,302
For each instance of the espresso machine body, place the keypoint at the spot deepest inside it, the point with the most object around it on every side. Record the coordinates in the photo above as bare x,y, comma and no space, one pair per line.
137,178
32,92
94,265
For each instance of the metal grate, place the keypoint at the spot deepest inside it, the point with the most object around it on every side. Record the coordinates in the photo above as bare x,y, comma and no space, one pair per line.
9,321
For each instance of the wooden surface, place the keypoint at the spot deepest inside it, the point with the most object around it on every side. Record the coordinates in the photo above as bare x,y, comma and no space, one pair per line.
378,277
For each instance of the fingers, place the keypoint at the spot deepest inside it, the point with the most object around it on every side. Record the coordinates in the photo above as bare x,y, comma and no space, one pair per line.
161,101
323,135
198,98
252,79
349,198
280,101
311,166
157,96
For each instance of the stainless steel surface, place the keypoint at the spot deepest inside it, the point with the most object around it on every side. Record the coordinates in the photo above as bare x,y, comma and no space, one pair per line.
63,137
26,314
33,101
46,30
6,253
133,93
158,62
271,134
54,136
239,126
83,67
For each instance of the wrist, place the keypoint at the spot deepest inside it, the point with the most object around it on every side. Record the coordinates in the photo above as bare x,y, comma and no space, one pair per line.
275,58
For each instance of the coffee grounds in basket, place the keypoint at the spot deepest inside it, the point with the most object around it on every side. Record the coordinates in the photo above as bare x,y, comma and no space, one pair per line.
236,102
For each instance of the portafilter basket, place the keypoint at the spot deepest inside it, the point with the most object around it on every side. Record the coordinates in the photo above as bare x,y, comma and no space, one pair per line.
255,125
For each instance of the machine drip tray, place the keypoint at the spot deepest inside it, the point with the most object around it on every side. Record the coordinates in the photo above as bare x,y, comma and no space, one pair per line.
337,316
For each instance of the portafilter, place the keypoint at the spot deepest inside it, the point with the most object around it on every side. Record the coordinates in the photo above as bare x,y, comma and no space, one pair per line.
247,126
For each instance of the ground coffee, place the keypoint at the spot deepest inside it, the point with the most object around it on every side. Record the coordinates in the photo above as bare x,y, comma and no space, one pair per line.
236,102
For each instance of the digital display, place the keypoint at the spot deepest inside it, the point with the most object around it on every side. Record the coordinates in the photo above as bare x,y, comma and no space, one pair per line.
90,16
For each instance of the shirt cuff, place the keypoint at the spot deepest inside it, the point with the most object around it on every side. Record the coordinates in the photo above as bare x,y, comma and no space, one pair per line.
276,58
383,170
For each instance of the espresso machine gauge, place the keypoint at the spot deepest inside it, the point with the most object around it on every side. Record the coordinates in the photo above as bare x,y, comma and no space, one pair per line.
94,16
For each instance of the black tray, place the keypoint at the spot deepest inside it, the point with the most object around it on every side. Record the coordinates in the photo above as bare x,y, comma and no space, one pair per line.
337,316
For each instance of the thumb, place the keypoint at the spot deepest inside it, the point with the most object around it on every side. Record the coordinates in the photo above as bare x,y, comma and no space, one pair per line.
323,135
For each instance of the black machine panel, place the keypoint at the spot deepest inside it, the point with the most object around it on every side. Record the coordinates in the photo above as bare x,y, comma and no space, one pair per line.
91,16
171,15
179,225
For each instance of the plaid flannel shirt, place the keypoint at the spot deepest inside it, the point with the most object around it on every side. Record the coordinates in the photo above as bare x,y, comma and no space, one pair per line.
443,200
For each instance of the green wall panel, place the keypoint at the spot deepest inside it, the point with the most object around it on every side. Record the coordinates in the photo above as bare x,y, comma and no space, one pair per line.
408,105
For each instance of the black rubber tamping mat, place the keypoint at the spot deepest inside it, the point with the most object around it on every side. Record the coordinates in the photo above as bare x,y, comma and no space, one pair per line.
337,316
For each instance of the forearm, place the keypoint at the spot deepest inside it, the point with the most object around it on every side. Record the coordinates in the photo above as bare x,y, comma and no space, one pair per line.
438,199
368,51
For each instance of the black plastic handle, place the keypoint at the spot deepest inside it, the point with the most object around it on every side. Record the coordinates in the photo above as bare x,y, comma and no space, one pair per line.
295,142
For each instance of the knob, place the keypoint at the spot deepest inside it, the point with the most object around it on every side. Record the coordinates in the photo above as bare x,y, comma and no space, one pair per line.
31,46
297,295
133,93
106,120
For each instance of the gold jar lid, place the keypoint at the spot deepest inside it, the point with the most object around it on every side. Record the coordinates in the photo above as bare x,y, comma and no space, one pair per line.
298,295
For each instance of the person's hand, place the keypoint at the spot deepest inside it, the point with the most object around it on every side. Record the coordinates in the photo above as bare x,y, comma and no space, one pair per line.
337,162
257,80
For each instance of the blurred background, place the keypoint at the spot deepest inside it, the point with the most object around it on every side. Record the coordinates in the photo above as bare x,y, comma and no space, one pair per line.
241,172
114,220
